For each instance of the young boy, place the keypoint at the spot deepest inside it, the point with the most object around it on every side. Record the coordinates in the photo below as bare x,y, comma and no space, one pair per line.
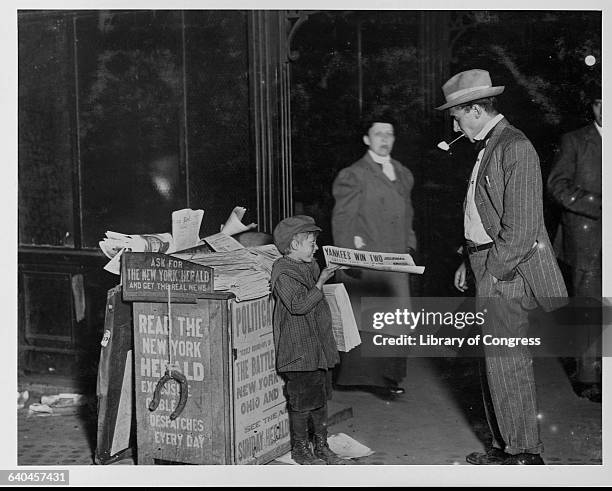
303,338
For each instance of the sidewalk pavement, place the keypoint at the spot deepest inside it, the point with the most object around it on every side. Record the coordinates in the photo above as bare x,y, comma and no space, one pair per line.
438,421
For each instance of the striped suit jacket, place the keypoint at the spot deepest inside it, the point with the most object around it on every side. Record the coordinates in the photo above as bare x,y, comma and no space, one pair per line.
508,197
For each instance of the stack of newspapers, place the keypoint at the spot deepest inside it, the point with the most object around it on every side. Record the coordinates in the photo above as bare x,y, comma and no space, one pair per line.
266,255
243,272
344,326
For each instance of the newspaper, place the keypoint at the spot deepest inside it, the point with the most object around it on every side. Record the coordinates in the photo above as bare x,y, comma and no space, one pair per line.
380,261
344,326
186,225
186,228
265,256
244,272
115,243
222,242
234,224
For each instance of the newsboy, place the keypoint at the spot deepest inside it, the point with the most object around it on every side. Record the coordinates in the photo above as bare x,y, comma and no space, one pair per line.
509,252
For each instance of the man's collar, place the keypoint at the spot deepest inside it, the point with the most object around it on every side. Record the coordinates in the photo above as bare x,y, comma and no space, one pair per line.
597,127
378,159
488,127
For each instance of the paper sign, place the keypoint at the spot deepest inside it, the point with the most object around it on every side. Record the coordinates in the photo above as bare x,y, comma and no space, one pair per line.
186,228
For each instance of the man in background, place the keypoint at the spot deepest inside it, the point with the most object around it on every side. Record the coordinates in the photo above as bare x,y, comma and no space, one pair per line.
575,184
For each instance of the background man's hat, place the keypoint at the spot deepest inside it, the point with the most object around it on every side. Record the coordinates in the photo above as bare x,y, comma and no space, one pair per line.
468,86
287,228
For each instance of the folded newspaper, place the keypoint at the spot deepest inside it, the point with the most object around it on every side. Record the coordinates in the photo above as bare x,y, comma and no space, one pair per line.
380,261
344,326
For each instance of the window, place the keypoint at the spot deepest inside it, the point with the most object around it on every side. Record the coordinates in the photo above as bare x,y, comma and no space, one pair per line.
126,116
45,134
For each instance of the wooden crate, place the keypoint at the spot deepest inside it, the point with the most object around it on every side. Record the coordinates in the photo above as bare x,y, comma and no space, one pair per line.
235,411
261,422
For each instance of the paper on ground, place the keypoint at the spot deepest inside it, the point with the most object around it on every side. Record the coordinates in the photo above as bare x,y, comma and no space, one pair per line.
40,408
234,224
347,447
342,445
63,400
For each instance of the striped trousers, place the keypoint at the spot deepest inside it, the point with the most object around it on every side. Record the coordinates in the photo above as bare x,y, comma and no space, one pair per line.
508,384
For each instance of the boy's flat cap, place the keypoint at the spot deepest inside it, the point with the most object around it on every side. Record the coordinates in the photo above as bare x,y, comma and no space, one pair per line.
287,228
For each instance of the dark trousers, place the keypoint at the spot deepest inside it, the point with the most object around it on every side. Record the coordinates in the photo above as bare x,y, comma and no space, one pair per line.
307,395
587,287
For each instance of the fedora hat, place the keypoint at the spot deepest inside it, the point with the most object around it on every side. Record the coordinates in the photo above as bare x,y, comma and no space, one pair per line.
468,86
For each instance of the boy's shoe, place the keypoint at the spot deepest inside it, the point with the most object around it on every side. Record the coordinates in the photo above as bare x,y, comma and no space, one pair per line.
323,452
302,455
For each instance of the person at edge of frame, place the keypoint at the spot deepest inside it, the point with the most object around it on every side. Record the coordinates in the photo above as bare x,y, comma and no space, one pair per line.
575,185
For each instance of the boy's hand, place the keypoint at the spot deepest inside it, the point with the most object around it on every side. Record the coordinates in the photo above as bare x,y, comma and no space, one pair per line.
326,274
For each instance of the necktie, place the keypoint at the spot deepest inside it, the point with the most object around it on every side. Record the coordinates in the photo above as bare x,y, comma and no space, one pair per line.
480,144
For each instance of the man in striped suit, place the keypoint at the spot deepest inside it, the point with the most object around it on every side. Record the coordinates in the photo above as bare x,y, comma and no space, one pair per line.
509,251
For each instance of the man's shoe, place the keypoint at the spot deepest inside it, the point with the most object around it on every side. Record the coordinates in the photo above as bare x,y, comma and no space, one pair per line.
493,456
302,455
524,459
